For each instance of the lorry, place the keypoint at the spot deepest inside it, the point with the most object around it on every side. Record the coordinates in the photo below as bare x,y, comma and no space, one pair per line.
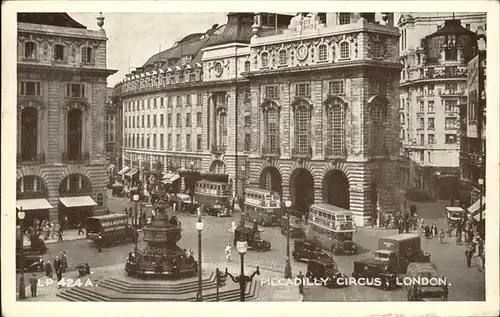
420,290
399,250
112,228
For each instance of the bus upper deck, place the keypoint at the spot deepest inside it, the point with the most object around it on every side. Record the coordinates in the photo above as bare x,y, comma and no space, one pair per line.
333,217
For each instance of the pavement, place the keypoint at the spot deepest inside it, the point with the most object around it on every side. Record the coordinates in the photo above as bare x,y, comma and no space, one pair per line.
467,283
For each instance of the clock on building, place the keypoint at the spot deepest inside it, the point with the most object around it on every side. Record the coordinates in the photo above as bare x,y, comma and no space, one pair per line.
218,68
302,52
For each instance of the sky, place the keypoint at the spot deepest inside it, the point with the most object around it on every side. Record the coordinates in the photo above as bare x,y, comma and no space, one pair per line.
138,36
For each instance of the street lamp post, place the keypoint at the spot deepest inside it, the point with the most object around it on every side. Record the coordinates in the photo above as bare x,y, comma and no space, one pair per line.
135,197
199,228
288,267
242,199
481,183
242,279
22,287
191,190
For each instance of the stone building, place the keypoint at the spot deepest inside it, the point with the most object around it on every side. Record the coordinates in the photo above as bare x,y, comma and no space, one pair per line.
111,126
61,158
325,118
435,50
185,107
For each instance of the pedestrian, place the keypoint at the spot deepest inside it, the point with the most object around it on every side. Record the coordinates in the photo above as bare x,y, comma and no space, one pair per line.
60,234
468,255
301,283
153,215
58,268
427,231
79,226
98,243
64,262
441,236
434,230
48,269
227,251
33,284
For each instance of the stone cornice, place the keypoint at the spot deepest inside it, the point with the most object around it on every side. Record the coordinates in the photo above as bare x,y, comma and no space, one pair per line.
49,69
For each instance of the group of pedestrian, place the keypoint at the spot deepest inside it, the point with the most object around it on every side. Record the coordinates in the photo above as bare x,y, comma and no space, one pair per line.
46,229
60,266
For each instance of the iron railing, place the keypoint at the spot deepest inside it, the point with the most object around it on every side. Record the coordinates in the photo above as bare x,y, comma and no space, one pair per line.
37,158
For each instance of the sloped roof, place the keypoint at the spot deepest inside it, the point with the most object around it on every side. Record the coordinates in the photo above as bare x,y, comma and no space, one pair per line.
236,31
55,19
452,27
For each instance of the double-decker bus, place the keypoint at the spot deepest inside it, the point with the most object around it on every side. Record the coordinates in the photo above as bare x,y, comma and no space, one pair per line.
208,193
333,227
263,206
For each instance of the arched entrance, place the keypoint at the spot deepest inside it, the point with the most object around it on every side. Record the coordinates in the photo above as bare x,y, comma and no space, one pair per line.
336,189
75,203
218,167
270,179
302,189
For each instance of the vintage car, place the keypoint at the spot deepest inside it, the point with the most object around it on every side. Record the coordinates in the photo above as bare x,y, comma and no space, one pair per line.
33,262
296,228
306,250
218,210
112,228
454,215
326,270
420,292
252,236
118,190
373,271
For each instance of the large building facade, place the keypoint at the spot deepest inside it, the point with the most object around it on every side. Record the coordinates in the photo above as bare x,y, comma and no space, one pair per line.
435,50
61,173
306,106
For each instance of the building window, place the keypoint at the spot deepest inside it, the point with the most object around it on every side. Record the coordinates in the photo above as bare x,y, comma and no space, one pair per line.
264,59
161,102
377,49
451,54
282,57
421,106
322,52
377,133
162,144
248,119
154,103
179,101
138,139
430,123
271,92
148,121
198,119
247,142
148,103
223,130
154,141
430,106
199,100
142,121
421,153
169,120
302,127
336,87
178,142
303,90
29,134
344,18
344,50
170,101
247,95
188,142
154,120
422,139
74,136
59,54
431,138
178,120
169,142
377,86
430,89
75,90
421,123
198,142
138,122
142,141
450,138
188,120
247,66
87,55
133,122
450,123
188,100
335,120
272,121
30,50
30,88
161,120
142,104
450,105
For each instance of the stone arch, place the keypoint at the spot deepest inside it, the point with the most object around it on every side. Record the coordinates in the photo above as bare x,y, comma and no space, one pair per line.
302,189
331,99
44,189
378,100
87,185
218,166
336,189
270,179
74,169
297,100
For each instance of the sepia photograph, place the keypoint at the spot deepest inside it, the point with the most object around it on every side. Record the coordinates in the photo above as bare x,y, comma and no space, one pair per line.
326,157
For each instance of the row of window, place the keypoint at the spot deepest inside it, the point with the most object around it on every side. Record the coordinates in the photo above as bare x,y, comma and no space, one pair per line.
431,139
163,80
60,52
449,123
149,141
30,184
130,122
33,88
146,104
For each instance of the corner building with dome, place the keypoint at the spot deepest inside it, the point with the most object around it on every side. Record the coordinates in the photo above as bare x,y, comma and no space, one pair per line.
307,104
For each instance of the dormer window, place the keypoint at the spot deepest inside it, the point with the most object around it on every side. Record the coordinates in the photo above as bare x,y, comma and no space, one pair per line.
30,50
59,52
264,59
344,18
87,55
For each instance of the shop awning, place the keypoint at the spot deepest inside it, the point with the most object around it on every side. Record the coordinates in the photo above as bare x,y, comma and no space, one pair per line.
477,216
77,201
132,172
124,170
169,178
33,204
474,208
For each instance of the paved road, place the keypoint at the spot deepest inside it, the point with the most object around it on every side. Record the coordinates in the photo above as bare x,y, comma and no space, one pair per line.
467,283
